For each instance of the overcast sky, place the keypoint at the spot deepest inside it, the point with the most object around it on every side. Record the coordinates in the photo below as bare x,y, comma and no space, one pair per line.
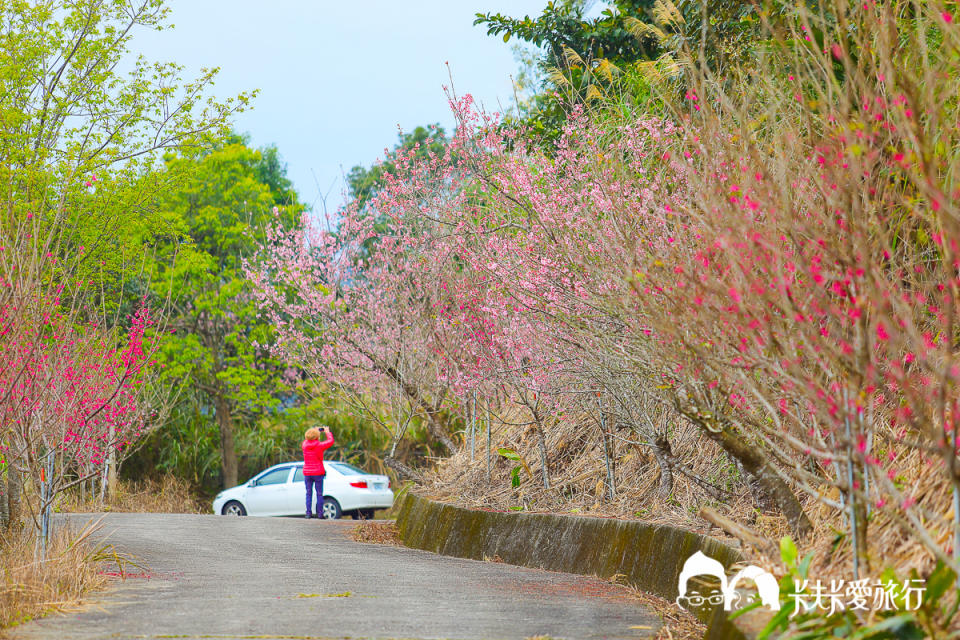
337,78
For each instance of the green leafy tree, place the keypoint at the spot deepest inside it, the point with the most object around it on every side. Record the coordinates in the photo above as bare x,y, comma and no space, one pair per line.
562,25
637,30
219,347
579,57
79,140
622,51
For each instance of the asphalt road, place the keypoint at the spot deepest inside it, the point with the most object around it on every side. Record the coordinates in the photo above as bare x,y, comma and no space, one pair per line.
227,577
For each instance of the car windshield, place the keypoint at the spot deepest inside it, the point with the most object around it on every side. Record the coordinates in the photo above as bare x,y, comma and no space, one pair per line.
347,469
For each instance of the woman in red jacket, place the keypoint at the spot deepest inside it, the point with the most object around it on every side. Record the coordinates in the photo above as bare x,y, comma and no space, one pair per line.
313,470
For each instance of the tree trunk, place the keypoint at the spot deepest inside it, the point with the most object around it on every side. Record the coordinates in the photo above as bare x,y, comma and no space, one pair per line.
434,427
228,451
542,446
663,454
403,470
438,431
608,463
112,469
860,542
111,478
762,501
757,465
856,503
488,455
4,505
14,483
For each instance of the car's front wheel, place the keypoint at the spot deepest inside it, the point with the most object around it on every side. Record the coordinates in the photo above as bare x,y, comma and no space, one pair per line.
233,508
331,509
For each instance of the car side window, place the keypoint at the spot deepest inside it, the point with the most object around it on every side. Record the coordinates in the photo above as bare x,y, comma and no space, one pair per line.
277,476
298,475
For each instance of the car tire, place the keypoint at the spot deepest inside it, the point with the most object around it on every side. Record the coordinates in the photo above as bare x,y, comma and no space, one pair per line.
367,514
331,509
233,508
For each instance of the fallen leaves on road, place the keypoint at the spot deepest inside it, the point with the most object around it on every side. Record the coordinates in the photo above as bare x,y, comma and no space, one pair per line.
376,532
678,623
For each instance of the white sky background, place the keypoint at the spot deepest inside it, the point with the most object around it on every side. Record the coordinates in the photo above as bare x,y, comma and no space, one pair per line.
337,78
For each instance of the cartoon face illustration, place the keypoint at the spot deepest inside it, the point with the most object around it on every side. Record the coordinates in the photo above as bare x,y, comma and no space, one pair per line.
768,591
697,597
696,585
698,593
739,600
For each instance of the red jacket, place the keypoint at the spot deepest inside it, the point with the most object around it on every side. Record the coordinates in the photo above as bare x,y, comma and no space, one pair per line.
313,456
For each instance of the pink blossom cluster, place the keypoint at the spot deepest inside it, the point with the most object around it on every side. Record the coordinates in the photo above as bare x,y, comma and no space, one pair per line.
69,388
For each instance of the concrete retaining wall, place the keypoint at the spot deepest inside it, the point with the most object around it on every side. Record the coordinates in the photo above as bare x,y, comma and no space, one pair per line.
649,556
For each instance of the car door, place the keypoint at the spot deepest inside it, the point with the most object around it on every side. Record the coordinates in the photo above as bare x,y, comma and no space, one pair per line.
296,500
269,494
337,486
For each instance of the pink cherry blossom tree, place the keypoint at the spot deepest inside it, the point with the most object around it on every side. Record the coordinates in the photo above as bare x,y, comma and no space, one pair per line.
73,392
781,275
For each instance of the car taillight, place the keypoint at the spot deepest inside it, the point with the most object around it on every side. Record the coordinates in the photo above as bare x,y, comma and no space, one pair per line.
388,484
359,485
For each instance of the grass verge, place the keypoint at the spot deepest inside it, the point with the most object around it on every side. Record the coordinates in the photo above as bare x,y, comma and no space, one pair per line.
31,588
167,495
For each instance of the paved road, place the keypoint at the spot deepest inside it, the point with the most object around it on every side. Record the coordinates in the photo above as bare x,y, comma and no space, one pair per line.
223,577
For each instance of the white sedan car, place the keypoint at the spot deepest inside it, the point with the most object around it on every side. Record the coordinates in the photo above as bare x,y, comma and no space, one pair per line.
279,491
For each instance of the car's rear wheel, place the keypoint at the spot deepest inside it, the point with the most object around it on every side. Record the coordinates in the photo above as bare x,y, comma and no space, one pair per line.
331,509
367,514
233,508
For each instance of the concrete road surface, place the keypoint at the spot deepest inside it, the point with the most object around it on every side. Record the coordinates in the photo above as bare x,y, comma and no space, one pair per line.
228,577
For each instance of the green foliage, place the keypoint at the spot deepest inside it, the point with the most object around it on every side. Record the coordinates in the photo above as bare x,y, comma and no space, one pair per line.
216,213
272,171
788,553
79,140
512,455
277,437
579,58
188,444
615,57
562,25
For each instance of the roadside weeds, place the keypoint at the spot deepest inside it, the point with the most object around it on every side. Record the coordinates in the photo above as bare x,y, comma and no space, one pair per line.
32,588
167,495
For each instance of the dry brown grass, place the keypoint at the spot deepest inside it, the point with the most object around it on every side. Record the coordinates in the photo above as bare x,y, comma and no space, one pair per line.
578,477
168,495
30,588
678,623
578,480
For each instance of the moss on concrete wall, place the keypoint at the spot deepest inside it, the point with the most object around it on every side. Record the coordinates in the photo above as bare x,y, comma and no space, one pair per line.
649,556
